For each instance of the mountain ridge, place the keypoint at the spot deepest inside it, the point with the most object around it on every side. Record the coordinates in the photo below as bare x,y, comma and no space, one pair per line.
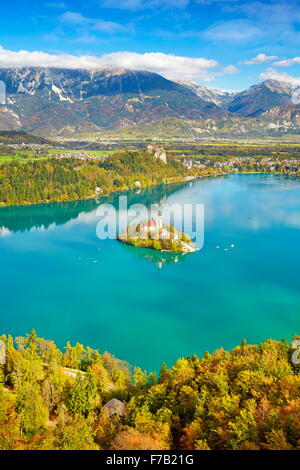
52,101
219,97
61,101
260,97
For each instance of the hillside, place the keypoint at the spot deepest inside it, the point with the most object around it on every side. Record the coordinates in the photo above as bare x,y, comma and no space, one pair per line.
54,102
275,122
211,95
19,137
67,179
260,98
245,399
64,102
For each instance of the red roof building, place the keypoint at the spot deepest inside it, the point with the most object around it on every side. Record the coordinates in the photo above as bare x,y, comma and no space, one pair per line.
151,223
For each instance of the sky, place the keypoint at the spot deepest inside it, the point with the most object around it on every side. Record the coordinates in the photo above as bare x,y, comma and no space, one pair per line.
227,44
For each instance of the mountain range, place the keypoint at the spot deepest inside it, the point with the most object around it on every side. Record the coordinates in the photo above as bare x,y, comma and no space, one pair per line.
64,102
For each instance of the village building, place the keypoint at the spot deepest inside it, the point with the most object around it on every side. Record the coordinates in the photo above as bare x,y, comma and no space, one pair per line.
292,168
115,408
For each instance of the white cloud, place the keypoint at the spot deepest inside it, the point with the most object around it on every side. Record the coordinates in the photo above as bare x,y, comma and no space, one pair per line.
260,59
171,66
287,62
230,70
207,2
143,4
168,65
60,5
72,18
273,74
233,31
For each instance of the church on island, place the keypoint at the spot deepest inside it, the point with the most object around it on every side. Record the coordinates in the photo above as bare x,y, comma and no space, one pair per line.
155,226
156,235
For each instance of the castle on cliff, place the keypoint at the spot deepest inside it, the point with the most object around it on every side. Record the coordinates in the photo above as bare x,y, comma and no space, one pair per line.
159,152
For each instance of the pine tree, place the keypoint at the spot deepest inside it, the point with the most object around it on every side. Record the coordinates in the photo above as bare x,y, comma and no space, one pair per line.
83,394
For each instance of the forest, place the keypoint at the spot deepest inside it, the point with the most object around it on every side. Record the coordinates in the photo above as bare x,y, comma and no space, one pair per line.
60,179
246,399
65,179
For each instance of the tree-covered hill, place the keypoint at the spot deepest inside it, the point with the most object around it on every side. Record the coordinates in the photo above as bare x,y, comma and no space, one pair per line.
247,399
68,179
18,137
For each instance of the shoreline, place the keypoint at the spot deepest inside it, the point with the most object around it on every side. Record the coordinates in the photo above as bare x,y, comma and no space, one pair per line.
184,180
180,180
182,252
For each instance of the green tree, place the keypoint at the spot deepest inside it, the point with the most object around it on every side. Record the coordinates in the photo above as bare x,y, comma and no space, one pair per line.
72,433
82,394
31,409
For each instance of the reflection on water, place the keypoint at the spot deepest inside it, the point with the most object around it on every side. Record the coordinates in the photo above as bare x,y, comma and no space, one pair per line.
227,192
71,285
43,216
24,218
159,258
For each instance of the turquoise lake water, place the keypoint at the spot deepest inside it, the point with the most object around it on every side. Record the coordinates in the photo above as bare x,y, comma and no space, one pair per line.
57,277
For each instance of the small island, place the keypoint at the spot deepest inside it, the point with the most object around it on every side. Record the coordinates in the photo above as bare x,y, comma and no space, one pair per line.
155,235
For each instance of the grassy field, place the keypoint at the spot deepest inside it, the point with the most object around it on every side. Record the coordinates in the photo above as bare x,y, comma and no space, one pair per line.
95,153
28,155
208,149
22,159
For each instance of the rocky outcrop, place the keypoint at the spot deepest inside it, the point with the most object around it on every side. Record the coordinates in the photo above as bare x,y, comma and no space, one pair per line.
159,153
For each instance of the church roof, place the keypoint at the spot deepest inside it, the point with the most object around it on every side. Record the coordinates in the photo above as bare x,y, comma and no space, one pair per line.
151,223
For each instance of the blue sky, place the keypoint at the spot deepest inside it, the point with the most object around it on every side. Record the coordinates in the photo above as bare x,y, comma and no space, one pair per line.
228,44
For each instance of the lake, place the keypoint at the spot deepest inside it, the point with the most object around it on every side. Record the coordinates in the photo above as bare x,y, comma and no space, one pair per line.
145,307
